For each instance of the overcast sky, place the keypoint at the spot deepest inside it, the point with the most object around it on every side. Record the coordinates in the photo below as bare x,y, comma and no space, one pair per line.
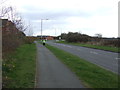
84,16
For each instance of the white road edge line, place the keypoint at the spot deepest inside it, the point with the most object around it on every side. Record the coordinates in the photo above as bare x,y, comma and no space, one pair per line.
93,52
117,58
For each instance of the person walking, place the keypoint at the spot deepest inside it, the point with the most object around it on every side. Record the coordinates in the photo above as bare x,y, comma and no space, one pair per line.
44,42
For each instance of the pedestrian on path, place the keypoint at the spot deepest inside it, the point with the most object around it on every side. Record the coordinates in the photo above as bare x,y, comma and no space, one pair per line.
44,42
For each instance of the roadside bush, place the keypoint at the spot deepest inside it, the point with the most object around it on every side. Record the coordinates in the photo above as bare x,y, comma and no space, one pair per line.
76,37
83,38
114,43
10,42
30,39
12,38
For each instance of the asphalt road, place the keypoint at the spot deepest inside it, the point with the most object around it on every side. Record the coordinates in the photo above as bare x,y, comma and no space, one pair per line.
51,73
104,59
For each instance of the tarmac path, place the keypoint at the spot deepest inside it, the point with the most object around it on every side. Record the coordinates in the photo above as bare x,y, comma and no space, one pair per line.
51,73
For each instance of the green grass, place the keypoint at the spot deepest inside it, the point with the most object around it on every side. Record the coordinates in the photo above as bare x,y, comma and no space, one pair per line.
107,48
20,67
91,75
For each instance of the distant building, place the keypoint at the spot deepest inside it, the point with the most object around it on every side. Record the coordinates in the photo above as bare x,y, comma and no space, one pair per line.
46,37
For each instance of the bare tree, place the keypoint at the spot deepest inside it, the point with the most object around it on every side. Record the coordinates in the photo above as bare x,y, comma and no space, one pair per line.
29,30
2,1
19,22
11,14
5,12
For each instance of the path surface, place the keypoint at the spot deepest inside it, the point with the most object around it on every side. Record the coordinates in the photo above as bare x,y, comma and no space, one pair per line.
105,59
51,73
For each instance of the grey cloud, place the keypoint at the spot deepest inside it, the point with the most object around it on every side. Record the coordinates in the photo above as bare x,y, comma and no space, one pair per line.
55,14
34,12
57,17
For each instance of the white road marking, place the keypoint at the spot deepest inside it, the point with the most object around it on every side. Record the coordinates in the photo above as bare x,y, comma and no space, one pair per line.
69,46
93,52
64,45
79,49
117,58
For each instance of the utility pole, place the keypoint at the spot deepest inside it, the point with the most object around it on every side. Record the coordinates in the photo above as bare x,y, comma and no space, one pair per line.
42,27
55,31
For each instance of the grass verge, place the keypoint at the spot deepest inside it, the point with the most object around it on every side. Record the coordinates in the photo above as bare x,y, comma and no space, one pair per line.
19,68
107,48
92,75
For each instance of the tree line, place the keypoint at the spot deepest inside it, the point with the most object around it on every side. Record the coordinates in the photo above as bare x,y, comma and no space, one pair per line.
76,37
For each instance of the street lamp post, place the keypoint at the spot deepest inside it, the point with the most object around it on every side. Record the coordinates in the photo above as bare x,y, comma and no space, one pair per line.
41,27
